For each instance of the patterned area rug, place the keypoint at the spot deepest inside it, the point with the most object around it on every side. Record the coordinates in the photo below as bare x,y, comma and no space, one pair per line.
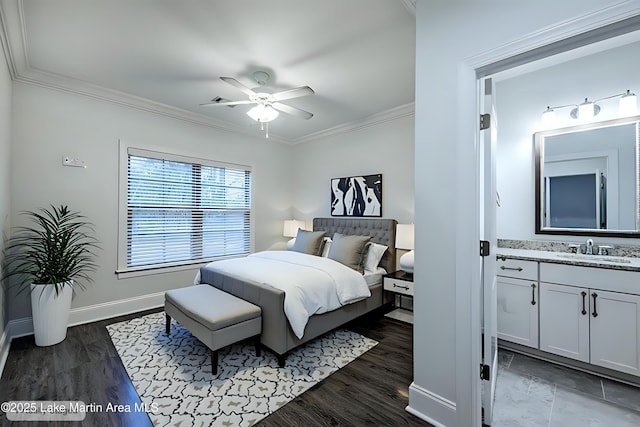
172,374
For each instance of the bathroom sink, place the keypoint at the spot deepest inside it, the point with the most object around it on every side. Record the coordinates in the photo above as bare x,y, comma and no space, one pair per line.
617,260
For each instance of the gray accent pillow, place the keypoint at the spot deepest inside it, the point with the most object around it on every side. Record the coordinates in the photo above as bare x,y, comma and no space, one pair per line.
349,250
308,242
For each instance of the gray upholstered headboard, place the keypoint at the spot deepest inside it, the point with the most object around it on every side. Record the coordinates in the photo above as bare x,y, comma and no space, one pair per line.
382,231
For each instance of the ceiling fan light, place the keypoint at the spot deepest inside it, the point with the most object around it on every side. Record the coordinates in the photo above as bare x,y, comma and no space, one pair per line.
263,113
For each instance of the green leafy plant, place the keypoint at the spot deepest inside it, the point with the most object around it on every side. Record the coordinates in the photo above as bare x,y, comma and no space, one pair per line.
55,249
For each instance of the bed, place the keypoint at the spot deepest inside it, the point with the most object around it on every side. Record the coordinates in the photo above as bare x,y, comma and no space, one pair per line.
277,333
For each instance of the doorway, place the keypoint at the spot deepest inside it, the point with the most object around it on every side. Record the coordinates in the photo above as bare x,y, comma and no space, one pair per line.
517,194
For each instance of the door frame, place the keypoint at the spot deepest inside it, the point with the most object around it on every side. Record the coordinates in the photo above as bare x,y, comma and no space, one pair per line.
583,32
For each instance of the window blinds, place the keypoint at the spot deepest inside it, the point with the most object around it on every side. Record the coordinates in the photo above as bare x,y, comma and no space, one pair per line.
181,211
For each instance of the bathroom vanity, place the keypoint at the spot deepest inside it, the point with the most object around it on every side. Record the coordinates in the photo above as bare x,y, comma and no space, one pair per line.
583,308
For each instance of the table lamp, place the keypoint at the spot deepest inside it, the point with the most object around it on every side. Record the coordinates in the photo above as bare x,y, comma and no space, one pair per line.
404,240
290,229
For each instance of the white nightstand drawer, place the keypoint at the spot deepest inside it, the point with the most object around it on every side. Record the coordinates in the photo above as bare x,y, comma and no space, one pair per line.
398,286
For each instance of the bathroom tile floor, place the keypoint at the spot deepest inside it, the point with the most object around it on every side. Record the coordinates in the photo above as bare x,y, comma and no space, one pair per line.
531,392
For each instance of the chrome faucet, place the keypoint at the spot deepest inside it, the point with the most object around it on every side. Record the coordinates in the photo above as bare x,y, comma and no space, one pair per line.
589,247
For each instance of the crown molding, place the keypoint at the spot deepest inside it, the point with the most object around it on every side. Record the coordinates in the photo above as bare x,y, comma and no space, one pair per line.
14,45
12,36
395,113
77,87
4,44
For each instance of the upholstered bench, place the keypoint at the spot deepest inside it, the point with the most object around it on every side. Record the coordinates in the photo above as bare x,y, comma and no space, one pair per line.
216,318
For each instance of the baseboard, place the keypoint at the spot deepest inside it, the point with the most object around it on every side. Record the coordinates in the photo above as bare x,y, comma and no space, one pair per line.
20,327
14,329
570,363
107,310
442,412
93,313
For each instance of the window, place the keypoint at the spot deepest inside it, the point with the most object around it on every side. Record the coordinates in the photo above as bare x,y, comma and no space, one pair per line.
181,211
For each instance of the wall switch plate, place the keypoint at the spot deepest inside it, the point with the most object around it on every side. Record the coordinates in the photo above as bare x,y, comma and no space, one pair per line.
73,162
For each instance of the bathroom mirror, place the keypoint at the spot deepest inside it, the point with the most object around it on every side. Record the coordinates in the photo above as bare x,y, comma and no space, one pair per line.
587,179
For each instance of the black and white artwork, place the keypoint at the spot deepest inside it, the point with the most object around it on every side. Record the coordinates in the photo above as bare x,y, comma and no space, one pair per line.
357,196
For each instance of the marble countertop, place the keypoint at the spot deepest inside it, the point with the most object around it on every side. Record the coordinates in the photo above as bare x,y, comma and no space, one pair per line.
597,261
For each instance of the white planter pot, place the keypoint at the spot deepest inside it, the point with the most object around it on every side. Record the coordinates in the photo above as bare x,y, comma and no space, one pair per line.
50,312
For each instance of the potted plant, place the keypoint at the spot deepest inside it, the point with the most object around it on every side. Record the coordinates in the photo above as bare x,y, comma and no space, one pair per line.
50,258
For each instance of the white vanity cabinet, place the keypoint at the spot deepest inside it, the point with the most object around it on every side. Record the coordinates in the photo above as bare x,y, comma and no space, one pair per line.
584,317
564,320
615,331
517,289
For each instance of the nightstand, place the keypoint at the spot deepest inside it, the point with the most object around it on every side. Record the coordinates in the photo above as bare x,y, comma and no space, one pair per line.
401,284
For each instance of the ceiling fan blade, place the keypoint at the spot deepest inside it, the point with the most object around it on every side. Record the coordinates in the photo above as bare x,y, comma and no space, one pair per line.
234,82
293,93
228,103
292,110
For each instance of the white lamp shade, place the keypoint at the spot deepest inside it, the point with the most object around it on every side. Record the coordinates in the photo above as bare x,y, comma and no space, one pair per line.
586,110
291,226
628,104
548,118
404,236
263,113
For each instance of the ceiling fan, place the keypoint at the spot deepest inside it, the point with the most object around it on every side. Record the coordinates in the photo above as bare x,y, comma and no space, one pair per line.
268,105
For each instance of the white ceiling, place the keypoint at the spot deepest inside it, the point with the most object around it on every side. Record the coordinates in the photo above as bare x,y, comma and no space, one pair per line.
167,56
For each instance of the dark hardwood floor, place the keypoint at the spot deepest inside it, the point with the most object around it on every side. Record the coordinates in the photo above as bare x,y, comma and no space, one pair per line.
372,390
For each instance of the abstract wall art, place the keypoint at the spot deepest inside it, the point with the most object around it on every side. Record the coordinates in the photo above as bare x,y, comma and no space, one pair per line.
357,196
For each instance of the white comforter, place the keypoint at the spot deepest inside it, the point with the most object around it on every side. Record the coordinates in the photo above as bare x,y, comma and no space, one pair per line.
312,284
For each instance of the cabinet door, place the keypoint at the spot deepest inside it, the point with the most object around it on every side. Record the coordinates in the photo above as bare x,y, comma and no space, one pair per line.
564,321
615,331
518,311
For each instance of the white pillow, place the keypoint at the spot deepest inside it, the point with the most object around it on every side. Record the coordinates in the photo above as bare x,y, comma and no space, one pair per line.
373,256
326,244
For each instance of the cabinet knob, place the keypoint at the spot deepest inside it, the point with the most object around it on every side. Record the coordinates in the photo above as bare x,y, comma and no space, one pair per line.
584,302
595,311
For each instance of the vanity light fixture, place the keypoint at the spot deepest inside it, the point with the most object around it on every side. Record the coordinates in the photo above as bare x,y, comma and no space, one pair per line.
628,106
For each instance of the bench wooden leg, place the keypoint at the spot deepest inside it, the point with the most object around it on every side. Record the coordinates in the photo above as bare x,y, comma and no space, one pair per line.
281,360
214,361
168,326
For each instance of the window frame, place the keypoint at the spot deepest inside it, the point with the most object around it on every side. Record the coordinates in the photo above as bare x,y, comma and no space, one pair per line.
125,149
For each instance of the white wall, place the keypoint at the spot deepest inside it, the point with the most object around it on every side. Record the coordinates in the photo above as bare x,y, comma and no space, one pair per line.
520,101
385,148
5,178
49,124
450,36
